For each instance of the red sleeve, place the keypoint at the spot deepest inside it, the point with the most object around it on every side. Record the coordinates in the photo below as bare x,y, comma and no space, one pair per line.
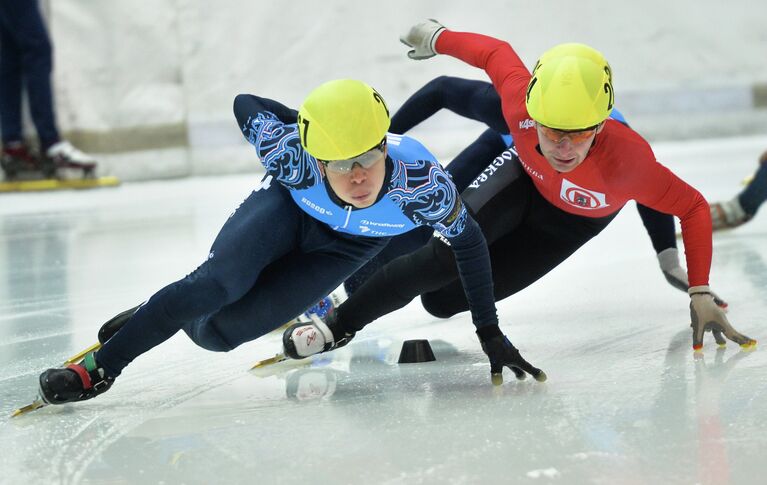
651,184
645,181
497,58
683,201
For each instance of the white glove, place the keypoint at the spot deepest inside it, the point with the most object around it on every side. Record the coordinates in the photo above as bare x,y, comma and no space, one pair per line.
422,38
707,316
677,276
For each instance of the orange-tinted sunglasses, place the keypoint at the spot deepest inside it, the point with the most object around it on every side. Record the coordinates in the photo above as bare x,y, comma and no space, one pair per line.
575,137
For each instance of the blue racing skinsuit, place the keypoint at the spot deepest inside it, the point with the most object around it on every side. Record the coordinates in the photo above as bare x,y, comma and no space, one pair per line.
293,241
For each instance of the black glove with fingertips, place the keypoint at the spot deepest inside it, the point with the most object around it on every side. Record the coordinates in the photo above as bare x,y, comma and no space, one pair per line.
501,352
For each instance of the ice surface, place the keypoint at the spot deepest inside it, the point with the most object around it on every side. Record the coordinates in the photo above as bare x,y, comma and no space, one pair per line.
626,401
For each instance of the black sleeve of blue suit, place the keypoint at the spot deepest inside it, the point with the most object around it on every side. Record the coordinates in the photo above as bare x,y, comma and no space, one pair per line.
472,259
248,105
476,100
660,228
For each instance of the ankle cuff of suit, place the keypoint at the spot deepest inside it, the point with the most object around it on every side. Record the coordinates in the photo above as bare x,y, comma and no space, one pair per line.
488,332
699,290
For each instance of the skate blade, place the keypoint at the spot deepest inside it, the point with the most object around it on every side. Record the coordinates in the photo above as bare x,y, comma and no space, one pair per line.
271,360
39,403
57,184
78,357
34,405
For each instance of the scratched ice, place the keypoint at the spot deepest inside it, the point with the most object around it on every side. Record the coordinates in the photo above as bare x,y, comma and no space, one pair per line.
625,399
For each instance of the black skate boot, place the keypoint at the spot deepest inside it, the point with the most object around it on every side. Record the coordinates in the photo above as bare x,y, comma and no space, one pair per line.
19,163
64,156
110,328
76,382
80,377
303,339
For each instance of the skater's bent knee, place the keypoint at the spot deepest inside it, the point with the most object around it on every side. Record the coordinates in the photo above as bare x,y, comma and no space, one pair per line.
207,337
436,307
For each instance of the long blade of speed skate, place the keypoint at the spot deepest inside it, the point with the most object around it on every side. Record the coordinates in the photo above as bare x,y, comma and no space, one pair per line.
78,357
269,361
36,404
57,184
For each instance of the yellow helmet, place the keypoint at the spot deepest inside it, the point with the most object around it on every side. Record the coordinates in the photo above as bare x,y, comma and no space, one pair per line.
342,119
571,88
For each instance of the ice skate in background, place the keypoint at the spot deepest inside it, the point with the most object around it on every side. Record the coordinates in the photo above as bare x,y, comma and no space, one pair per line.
62,166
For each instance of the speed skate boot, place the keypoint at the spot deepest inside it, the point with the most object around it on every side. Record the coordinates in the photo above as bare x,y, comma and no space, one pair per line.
303,339
326,306
65,157
728,215
75,382
322,309
110,328
84,379
18,162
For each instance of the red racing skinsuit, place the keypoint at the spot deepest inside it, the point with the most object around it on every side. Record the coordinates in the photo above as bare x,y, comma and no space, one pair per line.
620,165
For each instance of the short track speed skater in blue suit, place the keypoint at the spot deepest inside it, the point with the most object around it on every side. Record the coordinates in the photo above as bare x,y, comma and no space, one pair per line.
337,188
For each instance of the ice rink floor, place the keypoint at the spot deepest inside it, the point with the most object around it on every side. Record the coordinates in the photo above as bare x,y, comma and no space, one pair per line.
626,401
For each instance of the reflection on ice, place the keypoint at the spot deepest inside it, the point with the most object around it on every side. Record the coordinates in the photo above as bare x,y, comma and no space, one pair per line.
626,399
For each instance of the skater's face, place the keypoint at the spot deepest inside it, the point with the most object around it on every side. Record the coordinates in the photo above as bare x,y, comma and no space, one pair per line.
565,150
360,182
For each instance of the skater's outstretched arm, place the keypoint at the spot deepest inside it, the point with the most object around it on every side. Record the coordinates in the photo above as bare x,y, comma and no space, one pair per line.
476,100
635,174
248,105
